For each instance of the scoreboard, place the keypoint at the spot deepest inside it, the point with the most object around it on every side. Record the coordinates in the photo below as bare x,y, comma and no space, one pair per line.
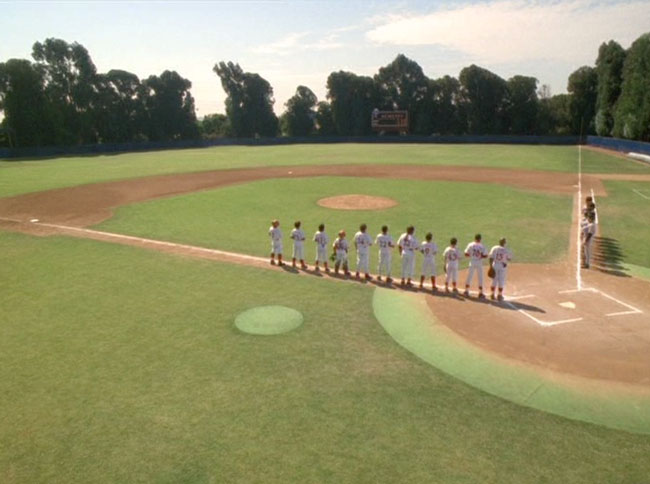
390,121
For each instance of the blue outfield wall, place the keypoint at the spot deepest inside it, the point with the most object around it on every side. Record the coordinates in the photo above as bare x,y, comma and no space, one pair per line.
617,144
85,150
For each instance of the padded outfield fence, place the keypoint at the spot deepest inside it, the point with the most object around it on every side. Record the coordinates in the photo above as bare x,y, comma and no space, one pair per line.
617,144
57,151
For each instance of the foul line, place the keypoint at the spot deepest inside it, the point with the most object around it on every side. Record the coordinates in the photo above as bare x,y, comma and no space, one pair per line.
234,255
194,248
578,245
640,194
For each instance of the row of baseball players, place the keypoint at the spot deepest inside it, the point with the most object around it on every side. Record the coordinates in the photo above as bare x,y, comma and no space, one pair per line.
407,245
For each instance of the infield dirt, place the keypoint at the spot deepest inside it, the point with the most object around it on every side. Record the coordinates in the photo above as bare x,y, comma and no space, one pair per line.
598,346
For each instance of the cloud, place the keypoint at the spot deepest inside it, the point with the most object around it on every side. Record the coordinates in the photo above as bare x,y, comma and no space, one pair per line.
504,31
298,42
282,46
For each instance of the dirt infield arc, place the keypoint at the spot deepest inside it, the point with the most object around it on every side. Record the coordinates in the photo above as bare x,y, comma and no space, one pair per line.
596,347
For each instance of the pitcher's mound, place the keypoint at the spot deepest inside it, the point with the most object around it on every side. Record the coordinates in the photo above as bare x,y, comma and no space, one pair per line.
357,202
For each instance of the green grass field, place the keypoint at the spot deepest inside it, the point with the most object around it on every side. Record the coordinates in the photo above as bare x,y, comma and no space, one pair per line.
110,374
36,175
624,217
119,364
237,218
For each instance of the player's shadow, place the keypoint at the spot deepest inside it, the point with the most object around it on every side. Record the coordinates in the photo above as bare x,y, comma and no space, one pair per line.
516,306
289,268
608,257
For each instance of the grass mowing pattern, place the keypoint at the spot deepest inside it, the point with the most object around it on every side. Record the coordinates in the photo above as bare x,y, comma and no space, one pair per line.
237,218
37,175
407,318
624,219
123,365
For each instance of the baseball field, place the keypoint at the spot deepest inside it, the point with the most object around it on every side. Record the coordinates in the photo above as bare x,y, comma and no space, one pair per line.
133,285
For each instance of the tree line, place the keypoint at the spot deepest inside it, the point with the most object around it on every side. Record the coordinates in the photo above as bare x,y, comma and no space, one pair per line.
59,98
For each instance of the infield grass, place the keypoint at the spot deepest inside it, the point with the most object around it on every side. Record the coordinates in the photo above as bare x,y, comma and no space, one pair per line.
37,175
123,365
237,218
624,221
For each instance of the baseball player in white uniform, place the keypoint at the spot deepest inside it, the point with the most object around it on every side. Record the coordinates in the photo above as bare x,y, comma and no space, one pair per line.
588,239
476,253
322,241
298,237
407,244
451,257
340,247
500,257
385,243
429,249
362,243
276,242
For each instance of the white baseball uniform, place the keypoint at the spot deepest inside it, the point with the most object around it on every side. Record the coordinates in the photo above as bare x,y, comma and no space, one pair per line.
385,243
298,237
477,253
341,249
322,241
451,257
501,257
429,249
362,241
409,245
276,240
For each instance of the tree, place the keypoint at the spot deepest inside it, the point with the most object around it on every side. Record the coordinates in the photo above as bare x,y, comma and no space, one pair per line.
609,70
484,100
446,93
170,107
299,118
402,85
121,115
522,104
583,85
27,115
249,101
632,118
214,126
554,116
324,119
352,99
70,87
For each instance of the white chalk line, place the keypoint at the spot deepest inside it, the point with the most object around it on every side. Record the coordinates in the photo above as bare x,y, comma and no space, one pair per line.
5,219
539,321
154,242
578,245
111,235
638,192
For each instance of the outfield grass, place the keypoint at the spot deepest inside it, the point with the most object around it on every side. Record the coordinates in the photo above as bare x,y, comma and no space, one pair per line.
624,218
36,175
237,217
123,365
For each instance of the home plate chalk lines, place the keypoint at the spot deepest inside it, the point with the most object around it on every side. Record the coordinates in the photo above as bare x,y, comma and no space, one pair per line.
568,303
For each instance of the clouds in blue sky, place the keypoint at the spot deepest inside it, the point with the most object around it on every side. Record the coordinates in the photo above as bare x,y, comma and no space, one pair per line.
301,42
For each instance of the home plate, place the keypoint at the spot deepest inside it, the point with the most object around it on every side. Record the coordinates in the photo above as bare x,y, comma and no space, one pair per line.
568,305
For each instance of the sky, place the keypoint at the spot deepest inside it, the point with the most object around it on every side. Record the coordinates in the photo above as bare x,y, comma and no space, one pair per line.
292,43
